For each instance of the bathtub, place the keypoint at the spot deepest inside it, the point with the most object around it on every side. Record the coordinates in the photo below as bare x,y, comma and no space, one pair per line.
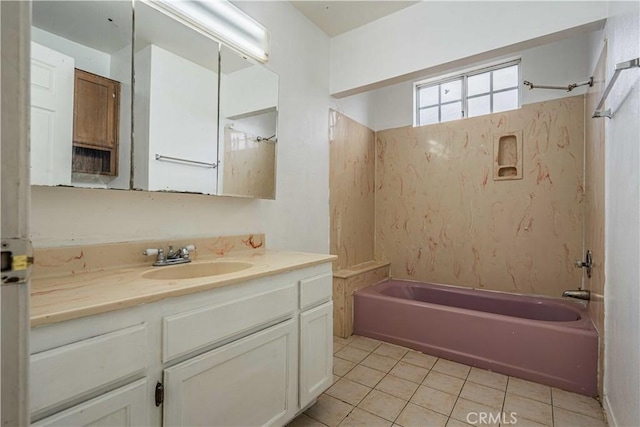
542,339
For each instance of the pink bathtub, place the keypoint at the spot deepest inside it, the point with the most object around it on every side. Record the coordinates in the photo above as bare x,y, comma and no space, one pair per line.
546,340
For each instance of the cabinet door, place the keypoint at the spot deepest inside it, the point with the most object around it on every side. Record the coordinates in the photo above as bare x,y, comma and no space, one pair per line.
96,110
316,352
250,382
96,115
126,406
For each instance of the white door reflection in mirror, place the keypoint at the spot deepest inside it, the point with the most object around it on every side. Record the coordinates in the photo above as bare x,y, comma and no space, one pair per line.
81,134
176,104
51,116
248,127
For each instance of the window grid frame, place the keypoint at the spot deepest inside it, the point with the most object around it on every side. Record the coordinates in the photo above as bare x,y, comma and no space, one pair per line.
464,92
439,84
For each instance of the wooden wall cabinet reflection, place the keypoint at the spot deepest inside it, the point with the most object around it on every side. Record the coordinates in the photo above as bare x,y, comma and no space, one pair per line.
95,124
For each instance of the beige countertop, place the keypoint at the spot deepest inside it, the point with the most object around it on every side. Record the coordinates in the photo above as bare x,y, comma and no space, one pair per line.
66,297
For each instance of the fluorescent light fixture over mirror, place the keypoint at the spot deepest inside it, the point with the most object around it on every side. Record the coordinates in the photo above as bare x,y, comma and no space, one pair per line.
223,21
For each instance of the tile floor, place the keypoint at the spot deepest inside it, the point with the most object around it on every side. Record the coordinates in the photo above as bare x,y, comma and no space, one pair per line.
380,384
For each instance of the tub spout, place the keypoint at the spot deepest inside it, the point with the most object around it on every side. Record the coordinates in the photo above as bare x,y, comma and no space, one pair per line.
578,294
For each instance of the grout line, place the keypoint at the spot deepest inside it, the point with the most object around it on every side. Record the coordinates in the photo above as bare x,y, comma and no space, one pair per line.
553,417
458,396
504,399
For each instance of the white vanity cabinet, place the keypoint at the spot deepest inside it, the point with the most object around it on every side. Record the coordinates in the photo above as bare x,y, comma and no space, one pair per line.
254,353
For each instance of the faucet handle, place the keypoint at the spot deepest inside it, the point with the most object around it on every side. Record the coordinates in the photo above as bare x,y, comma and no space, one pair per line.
158,252
186,249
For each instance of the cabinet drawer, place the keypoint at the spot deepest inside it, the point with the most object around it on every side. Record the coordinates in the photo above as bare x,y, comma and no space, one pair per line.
68,372
315,290
125,406
186,332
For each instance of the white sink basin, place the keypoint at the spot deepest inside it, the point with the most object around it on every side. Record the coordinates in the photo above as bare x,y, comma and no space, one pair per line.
193,271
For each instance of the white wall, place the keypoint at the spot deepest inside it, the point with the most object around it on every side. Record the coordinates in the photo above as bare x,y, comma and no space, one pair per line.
299,217
86,58
360,107
121,71
429,34
622,220
182,103
558,64
249,90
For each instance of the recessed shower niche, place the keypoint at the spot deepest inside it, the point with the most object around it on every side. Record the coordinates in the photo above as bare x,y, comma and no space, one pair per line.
507,156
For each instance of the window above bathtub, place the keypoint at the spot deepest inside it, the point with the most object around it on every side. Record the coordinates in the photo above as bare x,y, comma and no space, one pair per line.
473,93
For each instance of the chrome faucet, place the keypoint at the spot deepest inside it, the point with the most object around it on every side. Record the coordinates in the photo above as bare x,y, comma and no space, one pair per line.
578,294
180,256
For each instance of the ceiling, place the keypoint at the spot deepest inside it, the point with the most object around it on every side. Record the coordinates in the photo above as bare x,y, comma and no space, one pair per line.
102,25
337,17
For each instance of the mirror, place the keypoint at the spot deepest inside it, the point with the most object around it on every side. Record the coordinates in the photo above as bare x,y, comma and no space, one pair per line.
248,127
176,104
81,93
81,103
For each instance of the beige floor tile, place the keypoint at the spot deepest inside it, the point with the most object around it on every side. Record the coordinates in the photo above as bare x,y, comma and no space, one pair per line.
359,417
481,394
517,421
304,420
348,391
335,378
577,403
366,376
343,341
352,354
470,412
528,408
409,372
337,347
383,405
381,363
455,423
329,410
435,400
420,359
417,416
564,418
392,351
488,378
443,382
368,344
341,366
531,390
454,369
397,387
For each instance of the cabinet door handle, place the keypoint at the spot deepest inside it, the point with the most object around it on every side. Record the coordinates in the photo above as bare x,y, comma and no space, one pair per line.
159,394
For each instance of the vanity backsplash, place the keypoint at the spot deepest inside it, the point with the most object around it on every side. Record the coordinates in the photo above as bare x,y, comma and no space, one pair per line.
71,260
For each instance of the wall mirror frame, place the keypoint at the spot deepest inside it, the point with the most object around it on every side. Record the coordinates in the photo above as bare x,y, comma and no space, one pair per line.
199,116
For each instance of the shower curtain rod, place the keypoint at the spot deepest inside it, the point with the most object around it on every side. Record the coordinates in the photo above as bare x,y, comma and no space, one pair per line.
621,66
568,88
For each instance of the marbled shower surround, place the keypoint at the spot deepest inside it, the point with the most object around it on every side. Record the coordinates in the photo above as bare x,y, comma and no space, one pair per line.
351,195
441,217
351,189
